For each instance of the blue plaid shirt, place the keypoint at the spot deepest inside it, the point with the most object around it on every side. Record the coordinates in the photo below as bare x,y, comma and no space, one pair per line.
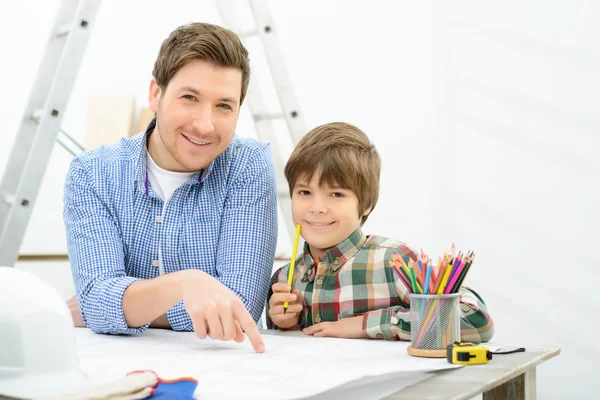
223,221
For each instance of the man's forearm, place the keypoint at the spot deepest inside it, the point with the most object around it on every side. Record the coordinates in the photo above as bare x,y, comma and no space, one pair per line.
147,300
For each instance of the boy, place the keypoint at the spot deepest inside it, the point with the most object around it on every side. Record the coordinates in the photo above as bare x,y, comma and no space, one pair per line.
343,283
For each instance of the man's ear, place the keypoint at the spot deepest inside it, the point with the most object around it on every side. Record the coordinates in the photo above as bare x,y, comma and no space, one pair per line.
154,93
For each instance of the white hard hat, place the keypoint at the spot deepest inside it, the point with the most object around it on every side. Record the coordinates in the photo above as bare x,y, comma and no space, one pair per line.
38,357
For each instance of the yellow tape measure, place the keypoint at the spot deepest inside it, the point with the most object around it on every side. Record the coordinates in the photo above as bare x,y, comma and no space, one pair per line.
467,353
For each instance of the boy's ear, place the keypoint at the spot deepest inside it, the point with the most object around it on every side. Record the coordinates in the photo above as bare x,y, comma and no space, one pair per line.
367,211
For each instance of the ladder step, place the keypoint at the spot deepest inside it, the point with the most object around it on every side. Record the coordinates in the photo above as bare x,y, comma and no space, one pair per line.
37,114
68,28
7,198
254,32
248,34
265,117
65,29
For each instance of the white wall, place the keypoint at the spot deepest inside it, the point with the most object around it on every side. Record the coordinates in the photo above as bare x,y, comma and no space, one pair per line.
521,87
488,108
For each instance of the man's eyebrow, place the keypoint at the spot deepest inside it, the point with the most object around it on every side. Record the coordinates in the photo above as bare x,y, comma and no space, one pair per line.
190,89
229,100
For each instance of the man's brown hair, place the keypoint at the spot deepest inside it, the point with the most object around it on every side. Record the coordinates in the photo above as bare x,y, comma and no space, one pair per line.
201,41
345,157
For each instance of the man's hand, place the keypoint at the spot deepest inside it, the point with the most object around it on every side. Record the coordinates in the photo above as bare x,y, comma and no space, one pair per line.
216,311
75,312
281,294
350,328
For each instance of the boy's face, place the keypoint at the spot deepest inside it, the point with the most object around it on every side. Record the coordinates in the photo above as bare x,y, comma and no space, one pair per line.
196,115
328,215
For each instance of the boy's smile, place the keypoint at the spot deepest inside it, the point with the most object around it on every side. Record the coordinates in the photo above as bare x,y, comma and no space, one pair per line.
319,225
328,214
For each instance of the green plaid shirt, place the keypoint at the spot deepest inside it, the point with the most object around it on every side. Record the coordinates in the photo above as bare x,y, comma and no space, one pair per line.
355,278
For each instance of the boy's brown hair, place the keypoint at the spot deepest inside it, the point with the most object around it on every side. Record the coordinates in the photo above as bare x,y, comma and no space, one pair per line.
345,157
201,41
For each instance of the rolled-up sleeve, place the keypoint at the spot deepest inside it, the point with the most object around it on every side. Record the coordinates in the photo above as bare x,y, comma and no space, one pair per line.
96,255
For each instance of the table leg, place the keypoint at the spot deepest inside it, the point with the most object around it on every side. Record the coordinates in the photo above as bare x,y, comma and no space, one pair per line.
530,384
523,387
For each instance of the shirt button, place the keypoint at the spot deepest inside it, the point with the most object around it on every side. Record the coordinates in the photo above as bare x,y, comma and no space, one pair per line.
317,319
319,282
466,308
379,336
158,218
155,263
336,262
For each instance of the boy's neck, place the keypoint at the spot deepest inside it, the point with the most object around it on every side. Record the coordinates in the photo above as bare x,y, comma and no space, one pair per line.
315,252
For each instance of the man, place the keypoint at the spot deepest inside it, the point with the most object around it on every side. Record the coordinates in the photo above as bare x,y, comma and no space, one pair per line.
177,226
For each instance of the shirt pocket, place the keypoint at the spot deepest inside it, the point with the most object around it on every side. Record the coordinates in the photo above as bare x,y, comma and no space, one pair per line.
199,240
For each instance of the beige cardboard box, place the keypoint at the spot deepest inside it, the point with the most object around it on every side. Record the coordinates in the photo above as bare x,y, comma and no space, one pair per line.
109,118
145,117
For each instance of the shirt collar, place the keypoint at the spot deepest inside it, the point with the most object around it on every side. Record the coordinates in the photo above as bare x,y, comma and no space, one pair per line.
142,167
335,256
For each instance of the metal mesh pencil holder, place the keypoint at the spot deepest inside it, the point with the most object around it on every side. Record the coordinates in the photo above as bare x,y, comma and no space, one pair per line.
434,323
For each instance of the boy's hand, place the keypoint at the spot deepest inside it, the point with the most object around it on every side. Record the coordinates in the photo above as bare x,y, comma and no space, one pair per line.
295,304
350,328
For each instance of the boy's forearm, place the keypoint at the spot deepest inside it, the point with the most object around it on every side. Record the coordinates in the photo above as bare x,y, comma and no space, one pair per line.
394,323
476,323
391,323
148,300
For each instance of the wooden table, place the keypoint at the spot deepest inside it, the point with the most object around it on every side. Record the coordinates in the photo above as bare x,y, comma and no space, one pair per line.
505,377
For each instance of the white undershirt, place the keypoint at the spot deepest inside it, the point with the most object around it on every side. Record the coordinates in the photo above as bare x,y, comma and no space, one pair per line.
164,183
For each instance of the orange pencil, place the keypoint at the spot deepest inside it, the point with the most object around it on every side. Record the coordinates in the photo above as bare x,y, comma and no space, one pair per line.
432,281
415,267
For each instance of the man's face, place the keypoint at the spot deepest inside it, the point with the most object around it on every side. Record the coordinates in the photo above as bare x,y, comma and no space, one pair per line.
196,115
328,215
